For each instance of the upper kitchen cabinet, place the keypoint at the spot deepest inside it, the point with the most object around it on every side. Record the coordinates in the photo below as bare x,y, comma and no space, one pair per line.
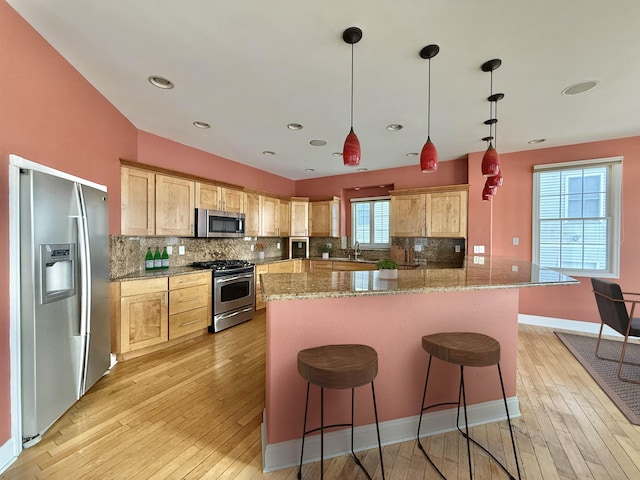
284,218
429,212
175,206
137,207
447,214
407,216
252,214
269,216
324,218
215,197
299,217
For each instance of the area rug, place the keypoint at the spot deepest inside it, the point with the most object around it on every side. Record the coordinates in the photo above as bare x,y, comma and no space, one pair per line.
625,395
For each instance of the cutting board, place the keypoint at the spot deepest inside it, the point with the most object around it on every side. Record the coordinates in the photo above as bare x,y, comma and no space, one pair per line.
401,255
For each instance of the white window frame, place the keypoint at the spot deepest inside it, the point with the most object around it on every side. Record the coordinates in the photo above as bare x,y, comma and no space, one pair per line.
369,246
614,204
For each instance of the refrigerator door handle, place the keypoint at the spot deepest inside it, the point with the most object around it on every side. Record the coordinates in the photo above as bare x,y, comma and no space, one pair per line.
85,286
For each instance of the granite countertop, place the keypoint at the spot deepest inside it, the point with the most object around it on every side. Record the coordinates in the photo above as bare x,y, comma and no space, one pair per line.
493,273
168,272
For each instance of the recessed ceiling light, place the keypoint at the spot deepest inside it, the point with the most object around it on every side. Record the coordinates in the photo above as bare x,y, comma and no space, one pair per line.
309,169
200,124
394,127
382,186
536,140
412,154
318,143
268,153
294,126
363,169
357,188
337,154
578,88
161,82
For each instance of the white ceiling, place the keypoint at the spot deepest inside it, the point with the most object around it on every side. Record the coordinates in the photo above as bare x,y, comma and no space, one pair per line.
250,67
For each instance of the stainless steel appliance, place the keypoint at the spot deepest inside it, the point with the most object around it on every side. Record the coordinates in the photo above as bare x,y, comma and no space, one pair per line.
233,292
299,247
64,292
216,223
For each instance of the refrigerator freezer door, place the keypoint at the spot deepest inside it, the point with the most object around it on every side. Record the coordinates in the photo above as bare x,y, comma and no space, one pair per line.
97,358
49,331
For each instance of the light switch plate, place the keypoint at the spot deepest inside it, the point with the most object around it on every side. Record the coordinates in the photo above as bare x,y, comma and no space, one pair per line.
169,249
181,250
516,240
417,248
478,249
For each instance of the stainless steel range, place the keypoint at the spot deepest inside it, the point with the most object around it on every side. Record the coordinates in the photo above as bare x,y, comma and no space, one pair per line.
233,292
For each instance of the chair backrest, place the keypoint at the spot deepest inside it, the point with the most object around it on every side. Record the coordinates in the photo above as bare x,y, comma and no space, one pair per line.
612,313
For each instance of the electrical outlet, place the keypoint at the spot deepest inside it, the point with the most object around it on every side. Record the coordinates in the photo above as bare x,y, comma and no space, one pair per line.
457,248
169,249
478,249
329,245
278,245
514,268
252,247
516,240
181,250
417,248
478,260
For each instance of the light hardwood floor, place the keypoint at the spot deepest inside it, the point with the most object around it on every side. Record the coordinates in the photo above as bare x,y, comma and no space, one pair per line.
194,411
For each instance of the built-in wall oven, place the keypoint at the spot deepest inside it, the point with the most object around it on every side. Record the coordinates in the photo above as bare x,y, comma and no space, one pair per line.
233,292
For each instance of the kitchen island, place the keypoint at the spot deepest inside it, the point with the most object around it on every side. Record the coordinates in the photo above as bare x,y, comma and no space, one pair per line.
310,309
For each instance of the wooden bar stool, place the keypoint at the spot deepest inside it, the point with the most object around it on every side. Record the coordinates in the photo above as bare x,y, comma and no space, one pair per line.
340,367
467,350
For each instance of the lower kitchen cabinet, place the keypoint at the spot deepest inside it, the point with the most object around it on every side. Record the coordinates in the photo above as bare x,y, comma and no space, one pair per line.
151,314
285,266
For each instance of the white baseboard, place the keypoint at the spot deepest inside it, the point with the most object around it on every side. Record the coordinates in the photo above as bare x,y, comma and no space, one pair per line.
562,324
287,454
8,454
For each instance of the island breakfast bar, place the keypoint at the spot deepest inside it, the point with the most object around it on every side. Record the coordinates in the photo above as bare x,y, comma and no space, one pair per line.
310,309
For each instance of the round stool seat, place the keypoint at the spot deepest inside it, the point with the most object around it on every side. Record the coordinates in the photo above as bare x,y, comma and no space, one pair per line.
338,366
463,348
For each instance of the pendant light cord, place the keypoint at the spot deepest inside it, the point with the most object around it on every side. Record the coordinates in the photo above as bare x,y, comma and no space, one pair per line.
352,86
429,103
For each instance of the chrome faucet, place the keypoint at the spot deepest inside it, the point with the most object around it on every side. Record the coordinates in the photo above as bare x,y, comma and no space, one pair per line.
356,250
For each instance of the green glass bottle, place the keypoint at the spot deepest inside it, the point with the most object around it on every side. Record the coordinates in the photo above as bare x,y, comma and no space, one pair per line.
148,260
165,258
157,259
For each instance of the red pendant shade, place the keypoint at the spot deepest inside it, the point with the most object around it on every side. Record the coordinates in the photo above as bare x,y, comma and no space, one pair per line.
495,180
429,157
488,191
351,150
490,162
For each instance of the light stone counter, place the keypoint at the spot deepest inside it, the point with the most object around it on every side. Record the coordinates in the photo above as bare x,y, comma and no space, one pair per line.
494,273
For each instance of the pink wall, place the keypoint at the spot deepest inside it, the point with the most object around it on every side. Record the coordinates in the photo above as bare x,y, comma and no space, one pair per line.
509,215
394,326
159,151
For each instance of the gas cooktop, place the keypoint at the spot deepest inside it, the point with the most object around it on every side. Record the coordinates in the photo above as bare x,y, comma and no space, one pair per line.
222,264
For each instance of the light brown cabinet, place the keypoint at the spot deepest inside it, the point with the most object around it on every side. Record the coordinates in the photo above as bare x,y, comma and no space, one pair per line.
324,218
432,212
143,314
175,206
215,197
151,314
352,266
299,217
269,216
189,303
155,204
137,207
252,214
284,216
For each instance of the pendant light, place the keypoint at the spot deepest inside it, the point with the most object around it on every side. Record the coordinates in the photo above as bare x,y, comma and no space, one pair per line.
351,149
429,154
490,160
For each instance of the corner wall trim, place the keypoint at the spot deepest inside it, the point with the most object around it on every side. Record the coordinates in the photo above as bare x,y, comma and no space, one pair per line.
286,454
8,454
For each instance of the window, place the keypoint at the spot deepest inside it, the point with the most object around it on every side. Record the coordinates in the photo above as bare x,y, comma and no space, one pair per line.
576,217
370,222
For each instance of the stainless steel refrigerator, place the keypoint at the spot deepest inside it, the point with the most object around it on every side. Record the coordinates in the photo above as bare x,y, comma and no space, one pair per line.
64,289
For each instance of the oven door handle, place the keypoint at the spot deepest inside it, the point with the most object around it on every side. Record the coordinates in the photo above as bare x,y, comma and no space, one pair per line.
229,315
232,278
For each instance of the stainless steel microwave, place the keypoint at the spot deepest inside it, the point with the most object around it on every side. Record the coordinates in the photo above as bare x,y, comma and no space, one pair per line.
216,223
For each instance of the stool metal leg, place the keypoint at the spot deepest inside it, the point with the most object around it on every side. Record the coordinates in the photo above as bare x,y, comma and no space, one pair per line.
321,433
375,412
463,393
513,441
304,430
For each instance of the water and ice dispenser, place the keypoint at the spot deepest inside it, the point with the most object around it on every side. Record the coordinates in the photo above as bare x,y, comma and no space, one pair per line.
58,271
